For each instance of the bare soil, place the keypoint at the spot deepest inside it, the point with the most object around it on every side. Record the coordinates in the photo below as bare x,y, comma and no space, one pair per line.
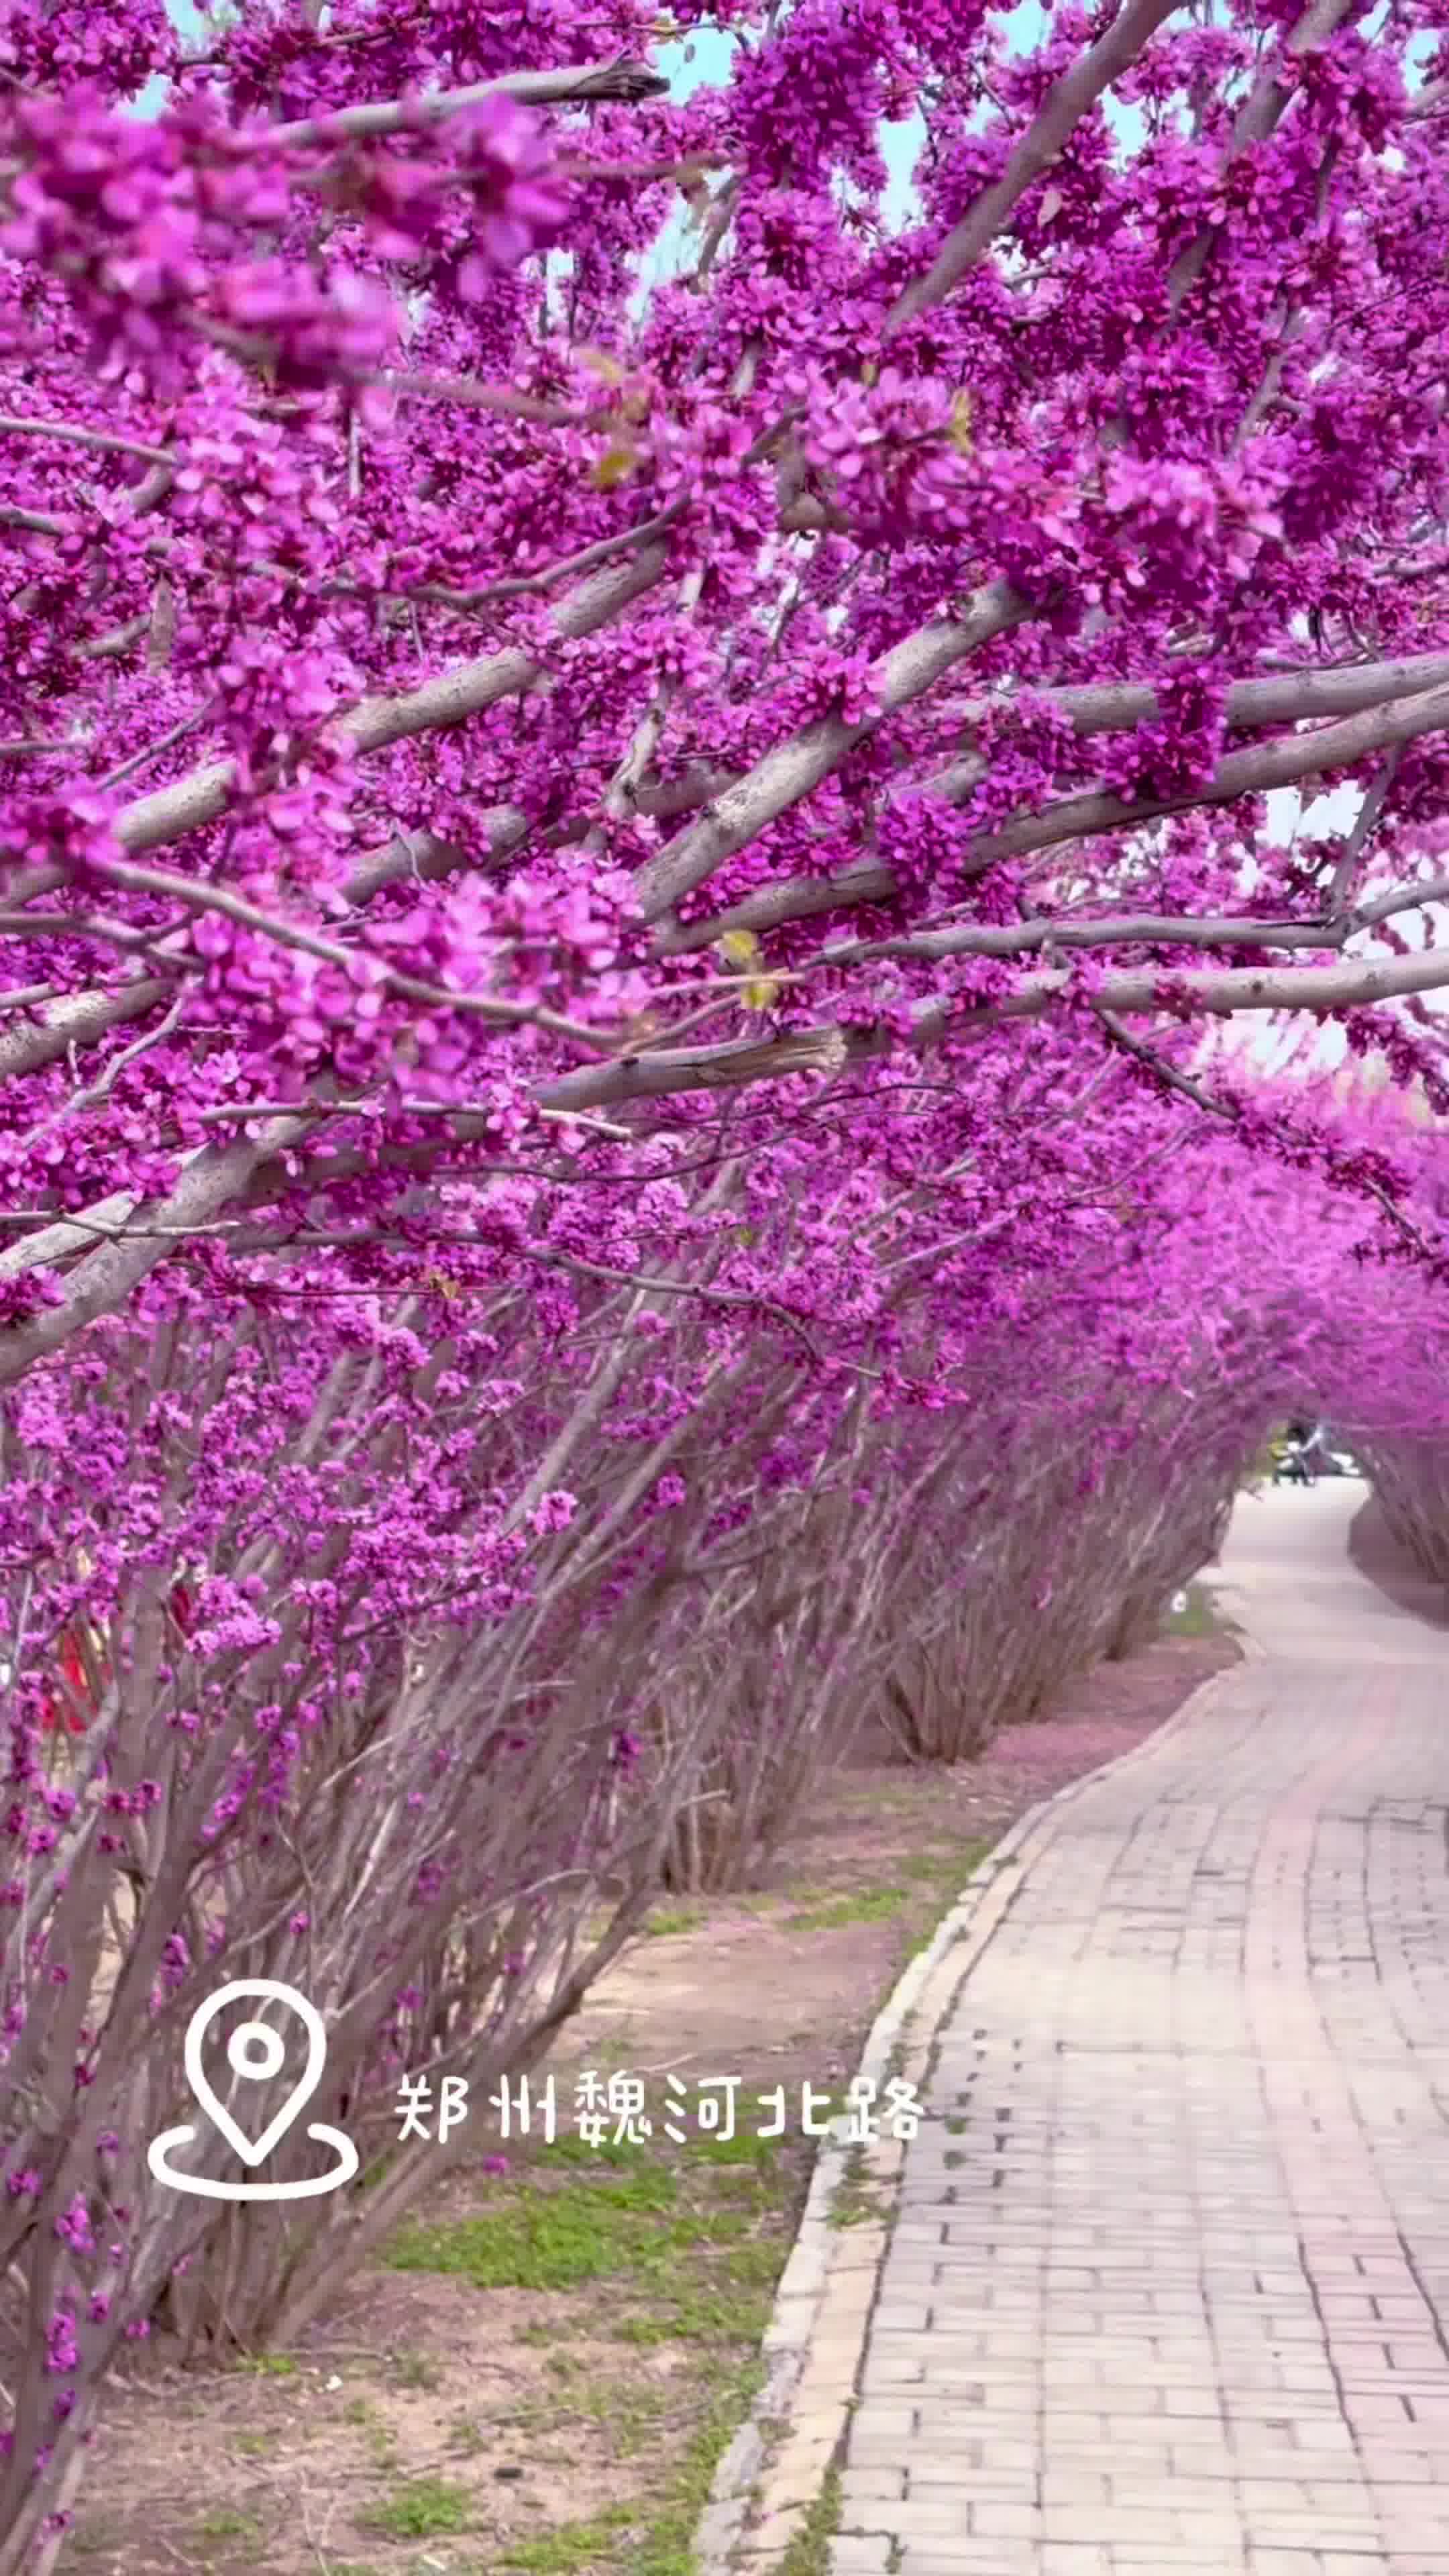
550,2388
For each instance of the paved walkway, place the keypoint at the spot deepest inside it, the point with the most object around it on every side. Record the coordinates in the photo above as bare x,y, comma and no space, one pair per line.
1169,2289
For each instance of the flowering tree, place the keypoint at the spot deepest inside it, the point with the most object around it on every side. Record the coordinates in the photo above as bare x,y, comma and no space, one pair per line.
509,666
610,901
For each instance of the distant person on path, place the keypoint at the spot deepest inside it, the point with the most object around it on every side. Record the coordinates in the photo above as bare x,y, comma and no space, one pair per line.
1315,1452
1293,1465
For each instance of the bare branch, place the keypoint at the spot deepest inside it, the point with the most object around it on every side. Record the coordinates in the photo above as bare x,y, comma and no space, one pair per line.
1365,825
795,767
38,523
1129,930
1213,993
1256,771
102,439
1039,147
576,86
1260,115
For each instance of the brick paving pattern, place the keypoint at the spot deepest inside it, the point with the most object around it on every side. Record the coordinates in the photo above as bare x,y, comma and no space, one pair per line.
1169,2286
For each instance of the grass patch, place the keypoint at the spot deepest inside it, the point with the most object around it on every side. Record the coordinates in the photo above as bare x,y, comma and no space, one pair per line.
931,1866
653,2536
422,2509
226,2524
695,2248
572,2546
671,1920
691,2248
666,2242
869,1905
857,2201
809,2551
554,2240
1199,1615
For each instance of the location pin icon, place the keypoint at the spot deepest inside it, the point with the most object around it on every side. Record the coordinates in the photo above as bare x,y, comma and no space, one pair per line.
256,2052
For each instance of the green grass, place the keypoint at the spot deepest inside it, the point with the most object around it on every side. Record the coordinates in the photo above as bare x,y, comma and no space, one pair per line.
809,2551
692,2250
591,2231
856,2201
628,2155
632,2414
421,2509
654,2243
1199,1617
933,1866
654,2536
572,2546
226,2524
670,1920
868,1905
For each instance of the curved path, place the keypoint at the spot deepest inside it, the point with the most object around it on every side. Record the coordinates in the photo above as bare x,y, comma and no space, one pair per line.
1169,2286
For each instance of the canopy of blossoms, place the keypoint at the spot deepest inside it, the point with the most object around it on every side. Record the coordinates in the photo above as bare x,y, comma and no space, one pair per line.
461,707
634,798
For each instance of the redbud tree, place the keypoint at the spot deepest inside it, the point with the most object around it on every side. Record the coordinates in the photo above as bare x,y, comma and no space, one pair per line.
627,785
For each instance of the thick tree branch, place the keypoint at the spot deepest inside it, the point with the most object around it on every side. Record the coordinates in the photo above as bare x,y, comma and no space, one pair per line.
1258,118
104,1280
68,435
376,723
251,1172
1213,993
1125,930
793,768
579,85
1255,771
1078,90
80,1021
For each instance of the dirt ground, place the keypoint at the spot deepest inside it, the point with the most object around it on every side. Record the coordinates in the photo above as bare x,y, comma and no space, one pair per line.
544,2372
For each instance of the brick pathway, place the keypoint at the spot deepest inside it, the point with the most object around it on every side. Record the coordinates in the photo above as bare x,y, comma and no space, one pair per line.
1169,2287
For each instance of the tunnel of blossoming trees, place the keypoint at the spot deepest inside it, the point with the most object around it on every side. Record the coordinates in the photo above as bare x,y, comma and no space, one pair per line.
720,917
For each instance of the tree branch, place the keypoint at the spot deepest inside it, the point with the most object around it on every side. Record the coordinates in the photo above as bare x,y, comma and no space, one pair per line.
793,768
577,86
1216,994
97,438
1258,118
1075,92
106,1277
375,723
1255,771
